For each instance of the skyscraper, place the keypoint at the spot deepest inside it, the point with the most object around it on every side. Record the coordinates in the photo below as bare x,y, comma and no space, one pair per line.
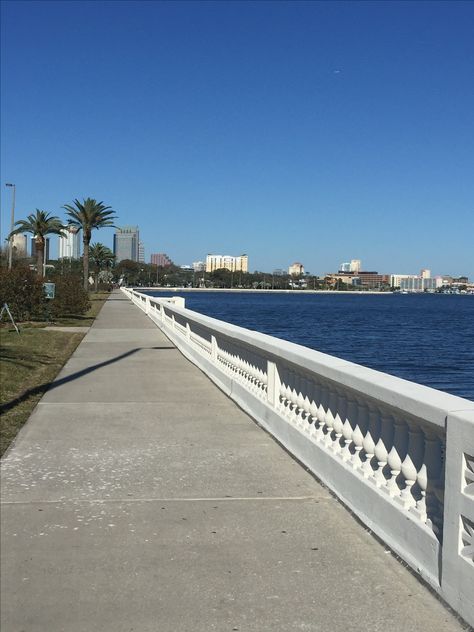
141,252
126,242
69,243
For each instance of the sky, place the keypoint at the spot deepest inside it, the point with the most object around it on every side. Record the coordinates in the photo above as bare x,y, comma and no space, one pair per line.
290,131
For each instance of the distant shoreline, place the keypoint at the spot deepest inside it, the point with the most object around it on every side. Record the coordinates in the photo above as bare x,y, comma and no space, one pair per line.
257,291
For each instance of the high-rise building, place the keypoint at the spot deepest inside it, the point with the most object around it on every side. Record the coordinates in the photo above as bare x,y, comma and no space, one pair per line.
141,252
234,264
161,260
126,242
345,267
199,266
69,243
356,265
19,245
296,269
46,248
425,273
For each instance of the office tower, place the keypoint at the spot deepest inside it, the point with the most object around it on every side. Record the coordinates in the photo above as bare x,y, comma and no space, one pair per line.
345,267
126,241
161,259
425,273
141,252
69,243
233,264
355,265
19,245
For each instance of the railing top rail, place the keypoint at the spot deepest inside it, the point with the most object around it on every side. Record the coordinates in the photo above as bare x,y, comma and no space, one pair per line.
415,399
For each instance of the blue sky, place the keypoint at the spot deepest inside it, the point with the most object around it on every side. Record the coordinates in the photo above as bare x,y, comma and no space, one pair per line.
309,131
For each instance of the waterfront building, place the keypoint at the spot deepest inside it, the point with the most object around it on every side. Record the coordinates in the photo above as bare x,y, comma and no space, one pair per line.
126,242
19,245
351,266
161,260
69,243
199,266
296,269
228,262
279,272
425,273
141,252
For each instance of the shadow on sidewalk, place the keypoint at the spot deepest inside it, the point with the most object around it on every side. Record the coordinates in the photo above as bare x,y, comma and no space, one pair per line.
42,388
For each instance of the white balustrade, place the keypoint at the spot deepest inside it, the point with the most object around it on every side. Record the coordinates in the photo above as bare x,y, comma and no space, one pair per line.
377,441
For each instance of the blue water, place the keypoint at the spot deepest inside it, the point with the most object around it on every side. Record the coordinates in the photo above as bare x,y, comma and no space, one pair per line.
426,338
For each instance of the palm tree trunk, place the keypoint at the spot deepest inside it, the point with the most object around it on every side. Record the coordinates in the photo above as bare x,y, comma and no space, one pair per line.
85,260
39,244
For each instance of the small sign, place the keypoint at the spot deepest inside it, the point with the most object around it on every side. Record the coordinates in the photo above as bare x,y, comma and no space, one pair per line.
49,289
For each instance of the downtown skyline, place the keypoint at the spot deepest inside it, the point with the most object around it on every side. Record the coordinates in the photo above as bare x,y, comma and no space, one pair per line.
289,131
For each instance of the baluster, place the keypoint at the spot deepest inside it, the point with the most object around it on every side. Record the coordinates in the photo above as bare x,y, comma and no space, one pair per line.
411,469
397,455
350,421
329,417
358,434
322,407
338,425
313,409
382,448
301,387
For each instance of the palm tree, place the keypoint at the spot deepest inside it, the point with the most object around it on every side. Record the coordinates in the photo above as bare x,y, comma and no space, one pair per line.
88,215
39,226
101,258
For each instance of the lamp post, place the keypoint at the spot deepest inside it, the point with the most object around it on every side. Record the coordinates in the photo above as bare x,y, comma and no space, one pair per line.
10,246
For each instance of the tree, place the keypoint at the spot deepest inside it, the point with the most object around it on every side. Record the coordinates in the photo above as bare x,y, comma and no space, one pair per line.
39,226
101,258
88,215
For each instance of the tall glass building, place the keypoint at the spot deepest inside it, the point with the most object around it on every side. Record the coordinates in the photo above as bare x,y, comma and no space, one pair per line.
126,242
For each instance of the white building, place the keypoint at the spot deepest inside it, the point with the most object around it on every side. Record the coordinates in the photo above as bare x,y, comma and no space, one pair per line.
199,266
69,243
141,252
296,269
19,245
234,264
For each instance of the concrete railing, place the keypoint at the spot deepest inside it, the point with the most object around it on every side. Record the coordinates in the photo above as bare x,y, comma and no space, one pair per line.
398,454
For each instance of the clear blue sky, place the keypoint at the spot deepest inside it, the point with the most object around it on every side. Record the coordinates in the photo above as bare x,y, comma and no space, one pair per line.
309,131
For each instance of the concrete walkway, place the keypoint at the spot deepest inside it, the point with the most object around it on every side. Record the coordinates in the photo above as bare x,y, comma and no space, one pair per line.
139,498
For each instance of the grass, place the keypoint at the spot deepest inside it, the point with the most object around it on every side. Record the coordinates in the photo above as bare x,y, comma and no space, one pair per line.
30,362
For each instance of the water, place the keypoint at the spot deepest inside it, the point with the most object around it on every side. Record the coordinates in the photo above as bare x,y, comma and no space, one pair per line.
426,338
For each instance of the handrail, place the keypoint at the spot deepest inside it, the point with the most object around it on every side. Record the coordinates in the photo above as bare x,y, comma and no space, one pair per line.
378,441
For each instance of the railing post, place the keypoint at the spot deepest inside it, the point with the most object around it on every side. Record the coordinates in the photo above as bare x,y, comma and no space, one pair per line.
147,305
162,312
273,384
173,322
188,332
214,349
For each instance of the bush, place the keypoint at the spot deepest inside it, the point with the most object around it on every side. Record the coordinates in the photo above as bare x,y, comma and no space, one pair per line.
21,289
70,297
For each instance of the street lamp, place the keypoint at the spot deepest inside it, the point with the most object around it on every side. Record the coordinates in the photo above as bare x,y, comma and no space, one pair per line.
10,248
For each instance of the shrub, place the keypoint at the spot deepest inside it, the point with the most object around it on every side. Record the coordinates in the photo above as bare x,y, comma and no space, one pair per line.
70,297
21,289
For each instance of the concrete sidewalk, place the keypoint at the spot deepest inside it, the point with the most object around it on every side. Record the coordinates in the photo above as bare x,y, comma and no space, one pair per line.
138,497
